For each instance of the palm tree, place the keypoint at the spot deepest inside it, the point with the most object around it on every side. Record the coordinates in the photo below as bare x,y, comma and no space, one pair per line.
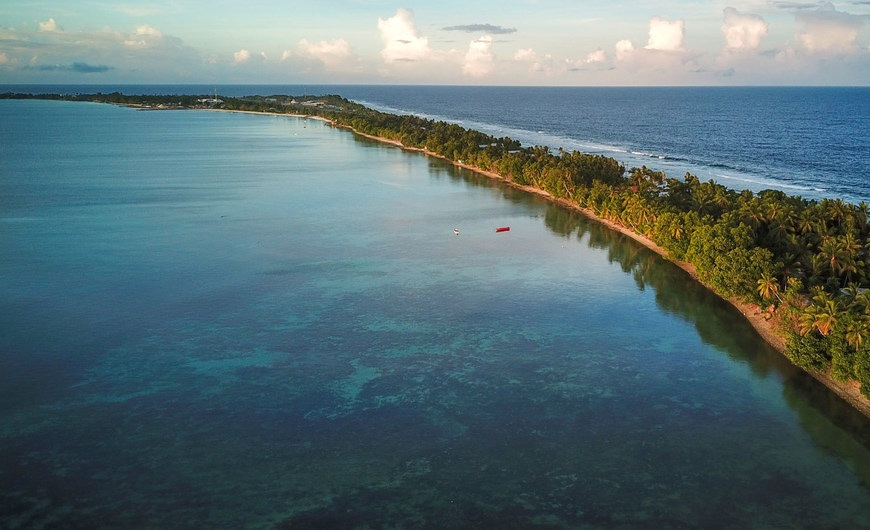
751,215
850,243
807,320
796,254
722,199
677,230
816,266
862,301
849,266
768,286
851,250
821,315
862,215
836,211
851,294
832,251
806,221
857,330
826,317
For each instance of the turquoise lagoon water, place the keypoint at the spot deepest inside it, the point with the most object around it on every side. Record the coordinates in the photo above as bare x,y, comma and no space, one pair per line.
228,320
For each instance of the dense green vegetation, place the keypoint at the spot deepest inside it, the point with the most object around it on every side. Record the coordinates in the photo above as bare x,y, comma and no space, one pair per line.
804,261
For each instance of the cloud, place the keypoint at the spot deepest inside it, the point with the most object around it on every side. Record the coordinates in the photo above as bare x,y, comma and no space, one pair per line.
143,37
827,30
537,63
743,31
334,58
482,28
598,56
525,55
596,60
662,60
401,39
49,25
665,35
145,29
324,50
624,50
241,56
479,59
824,34
334,55
142,54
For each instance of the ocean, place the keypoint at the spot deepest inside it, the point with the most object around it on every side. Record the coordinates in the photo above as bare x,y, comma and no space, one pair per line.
227,320
807,141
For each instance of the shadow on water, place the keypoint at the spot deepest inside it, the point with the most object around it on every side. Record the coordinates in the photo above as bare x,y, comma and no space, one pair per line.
722,326
717,322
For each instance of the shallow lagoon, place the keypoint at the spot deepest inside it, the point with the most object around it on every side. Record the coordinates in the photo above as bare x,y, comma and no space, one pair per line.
215,319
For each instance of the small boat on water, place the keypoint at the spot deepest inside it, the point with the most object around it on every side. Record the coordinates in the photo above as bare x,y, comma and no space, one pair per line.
456,231
503,229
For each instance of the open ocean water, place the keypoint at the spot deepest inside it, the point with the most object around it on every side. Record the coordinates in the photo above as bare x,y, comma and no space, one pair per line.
236,321
803,141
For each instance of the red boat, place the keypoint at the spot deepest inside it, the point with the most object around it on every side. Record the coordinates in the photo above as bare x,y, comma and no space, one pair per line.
503,229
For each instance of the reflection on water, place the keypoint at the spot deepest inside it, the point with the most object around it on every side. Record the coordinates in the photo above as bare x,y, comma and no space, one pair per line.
722,326
717,322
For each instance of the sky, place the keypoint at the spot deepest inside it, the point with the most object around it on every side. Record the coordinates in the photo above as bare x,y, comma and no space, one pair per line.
468,42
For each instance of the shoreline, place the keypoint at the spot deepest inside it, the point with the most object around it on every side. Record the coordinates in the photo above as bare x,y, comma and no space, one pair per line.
766,328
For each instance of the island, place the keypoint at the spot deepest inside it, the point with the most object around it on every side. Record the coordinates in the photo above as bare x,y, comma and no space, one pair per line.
797,269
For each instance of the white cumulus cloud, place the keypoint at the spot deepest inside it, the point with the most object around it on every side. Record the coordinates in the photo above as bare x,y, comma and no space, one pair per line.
330,53
142,53
402,41
665,35
241,56
598,56
525,54
143,36
479,59
334,57
49,25
624,50
829,30
537,63
743,31
145,29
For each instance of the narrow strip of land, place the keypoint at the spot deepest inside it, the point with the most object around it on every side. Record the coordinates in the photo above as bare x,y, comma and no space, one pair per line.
848,391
